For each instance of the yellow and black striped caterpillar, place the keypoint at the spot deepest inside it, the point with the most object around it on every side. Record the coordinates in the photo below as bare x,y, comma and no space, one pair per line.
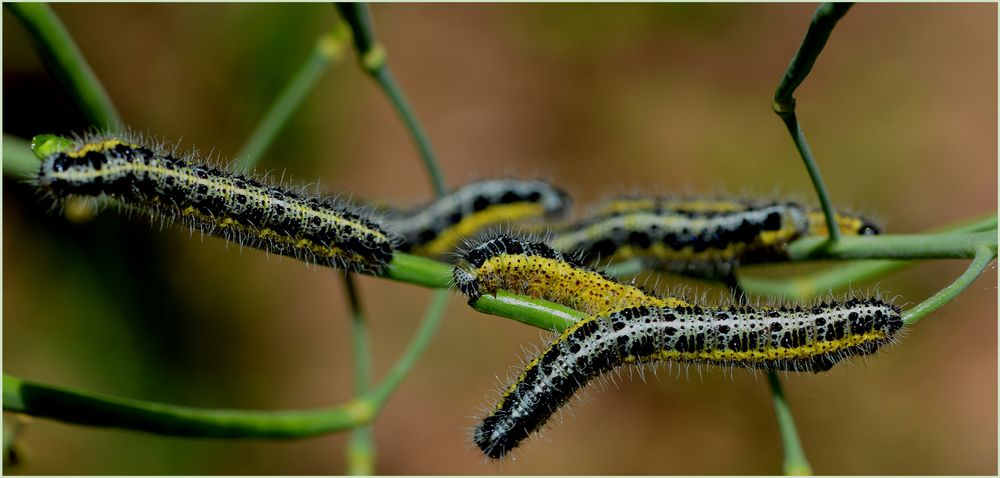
219,203
439,227
785,338
699,237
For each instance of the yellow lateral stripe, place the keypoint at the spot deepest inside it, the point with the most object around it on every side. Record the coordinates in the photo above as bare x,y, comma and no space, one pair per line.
97,147
228,190
448,239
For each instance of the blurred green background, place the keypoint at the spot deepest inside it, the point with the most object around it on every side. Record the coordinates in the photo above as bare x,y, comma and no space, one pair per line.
900,110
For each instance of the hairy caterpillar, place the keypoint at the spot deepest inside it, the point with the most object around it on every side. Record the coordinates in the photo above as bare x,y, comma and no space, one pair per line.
793,339
438,227
848,223
536,270
218,203
700,237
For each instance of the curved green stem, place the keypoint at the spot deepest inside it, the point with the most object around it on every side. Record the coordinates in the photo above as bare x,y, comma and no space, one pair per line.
329,49
423,336
361,445
795,462
836,278
372,60
899,246
86,408
984,255
535,312
822,24
64,60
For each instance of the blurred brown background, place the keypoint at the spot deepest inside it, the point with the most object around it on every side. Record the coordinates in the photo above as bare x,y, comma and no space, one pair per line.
900,110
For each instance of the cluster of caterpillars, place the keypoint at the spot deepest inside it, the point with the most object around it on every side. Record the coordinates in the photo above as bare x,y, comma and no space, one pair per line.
625,324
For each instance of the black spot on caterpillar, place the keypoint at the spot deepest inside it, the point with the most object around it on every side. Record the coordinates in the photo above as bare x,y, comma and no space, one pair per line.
698,237
792,339
438,227
231,206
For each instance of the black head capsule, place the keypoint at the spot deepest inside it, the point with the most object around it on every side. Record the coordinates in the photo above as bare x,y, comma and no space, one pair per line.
869,229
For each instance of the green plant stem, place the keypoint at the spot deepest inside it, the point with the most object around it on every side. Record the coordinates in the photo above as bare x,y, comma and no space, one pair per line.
537,313
86,408
425,332
65,61
373,61
984,255
328,50
18,160
808,286
900,246
823,21
804,287
795,462
361,445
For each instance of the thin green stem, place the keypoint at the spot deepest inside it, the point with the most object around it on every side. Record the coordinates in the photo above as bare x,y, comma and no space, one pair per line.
901,246
385,80
799,137
18,160
836,278
423,336
373,61
795,462
535,312
984,255
65,61
822,24
328,50
86,408
419,271
361,445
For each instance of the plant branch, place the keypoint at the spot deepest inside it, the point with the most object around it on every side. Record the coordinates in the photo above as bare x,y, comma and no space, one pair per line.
425,332
65,61
795,462
86,408
984,256
822,24
329,49
18,160
808,286
361,445
899,246
373,61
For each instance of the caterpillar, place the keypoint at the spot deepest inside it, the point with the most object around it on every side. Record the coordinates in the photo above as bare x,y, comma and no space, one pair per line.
784,338
848,223
231,206
438,227
536,270
699,237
